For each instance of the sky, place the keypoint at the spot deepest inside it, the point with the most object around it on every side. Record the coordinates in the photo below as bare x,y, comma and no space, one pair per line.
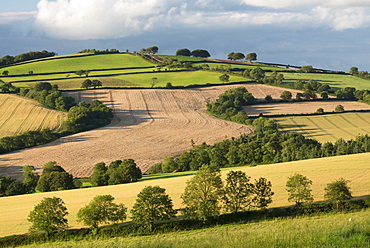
329,34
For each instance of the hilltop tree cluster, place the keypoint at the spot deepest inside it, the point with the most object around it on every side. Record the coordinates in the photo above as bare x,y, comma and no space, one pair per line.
200,53
8,60
239,56
361,74
149,50
94,51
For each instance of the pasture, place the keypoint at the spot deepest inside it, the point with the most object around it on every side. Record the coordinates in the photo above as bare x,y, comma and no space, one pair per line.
335,81
332,230
13,217
327,127
19,114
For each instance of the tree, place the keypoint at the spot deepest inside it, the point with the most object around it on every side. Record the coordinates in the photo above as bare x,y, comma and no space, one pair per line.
30,72
268,98
183,52
86,84
169,165
338,191
152,204
324,95
235,56
96,83
339,108
230,56
286,95
262,193
238,192
307,68
257,73
5,73
224,78
125,171
48,215
99,176
299,191
251,57
153,82
200,53
30,178
152,49
101,210
353,70
320,111
54,178
203,193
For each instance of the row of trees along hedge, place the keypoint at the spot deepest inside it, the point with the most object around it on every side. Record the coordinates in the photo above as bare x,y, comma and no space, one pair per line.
266,145
8,60
53,178
94,51
205,197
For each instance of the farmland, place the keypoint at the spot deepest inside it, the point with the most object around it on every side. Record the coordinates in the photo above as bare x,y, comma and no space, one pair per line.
327,127
332,230
321,171
18,115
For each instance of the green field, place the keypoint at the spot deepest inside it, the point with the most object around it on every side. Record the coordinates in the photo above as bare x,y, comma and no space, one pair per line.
13,217
18,115
327,127
102,61
332,230
336,81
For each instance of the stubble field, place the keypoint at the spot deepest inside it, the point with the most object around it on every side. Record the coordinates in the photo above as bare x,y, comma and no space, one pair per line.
19,114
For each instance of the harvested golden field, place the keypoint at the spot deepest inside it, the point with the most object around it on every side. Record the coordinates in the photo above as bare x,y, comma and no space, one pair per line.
15,209
149,125
306,107
19,114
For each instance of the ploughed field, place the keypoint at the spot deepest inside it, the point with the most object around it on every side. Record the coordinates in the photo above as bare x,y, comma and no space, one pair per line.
149,125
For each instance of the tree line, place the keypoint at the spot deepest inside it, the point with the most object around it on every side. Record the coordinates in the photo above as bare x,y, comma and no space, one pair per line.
54,178
8,60
205,197
95,51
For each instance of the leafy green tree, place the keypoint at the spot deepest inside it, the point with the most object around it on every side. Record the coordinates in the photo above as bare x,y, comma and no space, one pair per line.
5,73
268,98
86,84
353,70
307,68
169,165
320,111
257,73
152,49
238,192
235,56
152,204
54,178
200,53
224,78
203,193
153,82
183,52
100,176
299,189
324,95
125,171
96,83
169,86
286,95
339,108
101,210
251,57
30,178
338,191
262,193
48,215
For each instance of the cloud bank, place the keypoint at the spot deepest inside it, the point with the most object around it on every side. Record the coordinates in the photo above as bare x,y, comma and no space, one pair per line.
111,19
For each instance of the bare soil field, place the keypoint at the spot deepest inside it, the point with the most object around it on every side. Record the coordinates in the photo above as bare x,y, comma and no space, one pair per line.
306,107
149,125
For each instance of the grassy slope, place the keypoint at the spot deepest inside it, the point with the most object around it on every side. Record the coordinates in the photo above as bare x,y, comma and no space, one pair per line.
18,114
321,171
327,127
335,81
333,230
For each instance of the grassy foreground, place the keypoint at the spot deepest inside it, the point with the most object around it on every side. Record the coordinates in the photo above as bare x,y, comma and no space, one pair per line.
332,230
327,127
15,209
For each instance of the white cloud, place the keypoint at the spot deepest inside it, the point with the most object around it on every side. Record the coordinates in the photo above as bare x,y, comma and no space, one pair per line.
8,18
297,3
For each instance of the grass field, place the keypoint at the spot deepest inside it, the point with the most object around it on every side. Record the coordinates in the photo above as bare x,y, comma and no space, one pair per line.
321,171
332,230
336,81
102,61
18,115
327,127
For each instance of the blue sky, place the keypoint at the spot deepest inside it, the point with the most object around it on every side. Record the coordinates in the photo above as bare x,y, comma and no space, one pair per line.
331,34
